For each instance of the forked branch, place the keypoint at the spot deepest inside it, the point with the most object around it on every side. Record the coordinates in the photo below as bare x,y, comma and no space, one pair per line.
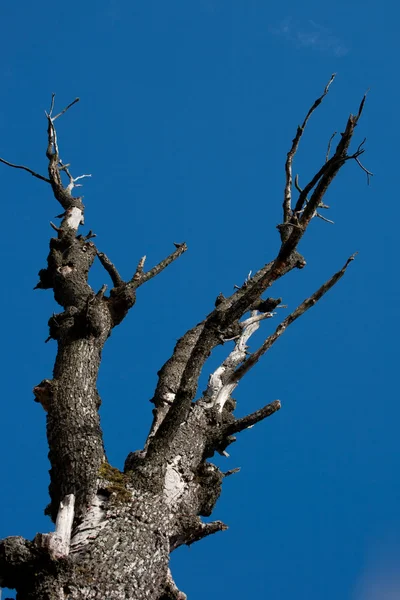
300,310
140,278
287,202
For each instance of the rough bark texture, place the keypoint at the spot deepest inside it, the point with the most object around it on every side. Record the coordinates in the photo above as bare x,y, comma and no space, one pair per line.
126,524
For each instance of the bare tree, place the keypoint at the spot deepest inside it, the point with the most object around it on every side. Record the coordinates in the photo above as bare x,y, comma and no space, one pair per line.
115,530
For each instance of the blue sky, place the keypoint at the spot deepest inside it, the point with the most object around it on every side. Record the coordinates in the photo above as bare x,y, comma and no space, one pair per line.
187,110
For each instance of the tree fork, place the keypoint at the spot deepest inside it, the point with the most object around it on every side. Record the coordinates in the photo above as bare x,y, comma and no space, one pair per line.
115,530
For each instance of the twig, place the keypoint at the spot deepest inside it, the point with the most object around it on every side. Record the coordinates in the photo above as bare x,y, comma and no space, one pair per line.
291,154
369,174
361,107
64,110
297,186
25,169
328,151
51,105
317,214
231,472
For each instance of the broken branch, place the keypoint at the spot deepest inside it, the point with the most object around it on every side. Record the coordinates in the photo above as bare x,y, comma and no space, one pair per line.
198,533
110,268
253,418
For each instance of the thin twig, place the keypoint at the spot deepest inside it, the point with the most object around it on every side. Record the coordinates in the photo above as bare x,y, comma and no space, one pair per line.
317,214
51,105
65,109
231,472
328,151
361,107
81,177
25,169
369,174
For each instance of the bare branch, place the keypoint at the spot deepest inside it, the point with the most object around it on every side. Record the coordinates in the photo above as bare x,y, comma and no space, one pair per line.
56,166
287,212
229,310
199,533
231,472
328,151
25,169
369,174
63,111
361,107
253,418
110,268
72,180
220,384
327,174
300,310
50,113
139,269
206,529
90,235
321,182
160,267
317,214
58,229
321,205
81,177
209,333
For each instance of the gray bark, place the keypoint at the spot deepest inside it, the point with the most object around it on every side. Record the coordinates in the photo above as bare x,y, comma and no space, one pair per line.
126,524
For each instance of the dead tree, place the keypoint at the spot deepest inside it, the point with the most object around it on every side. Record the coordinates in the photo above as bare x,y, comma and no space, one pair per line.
115,530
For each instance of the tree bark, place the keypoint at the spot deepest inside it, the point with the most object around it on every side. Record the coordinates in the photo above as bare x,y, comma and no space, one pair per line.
115,530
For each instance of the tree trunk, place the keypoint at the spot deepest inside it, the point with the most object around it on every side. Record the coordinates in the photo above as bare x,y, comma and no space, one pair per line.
115,530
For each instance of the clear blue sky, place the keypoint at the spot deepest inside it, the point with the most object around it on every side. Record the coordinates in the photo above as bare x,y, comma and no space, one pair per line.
187,110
